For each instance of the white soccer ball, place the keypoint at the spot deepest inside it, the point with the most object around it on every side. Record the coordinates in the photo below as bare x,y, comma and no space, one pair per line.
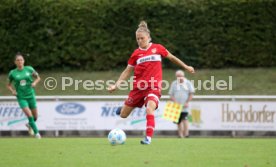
116,136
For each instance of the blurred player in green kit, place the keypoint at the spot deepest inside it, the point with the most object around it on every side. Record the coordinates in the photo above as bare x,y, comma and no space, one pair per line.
22,81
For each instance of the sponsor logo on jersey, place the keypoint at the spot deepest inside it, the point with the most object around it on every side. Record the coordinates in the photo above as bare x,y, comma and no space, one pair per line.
23,83
149,58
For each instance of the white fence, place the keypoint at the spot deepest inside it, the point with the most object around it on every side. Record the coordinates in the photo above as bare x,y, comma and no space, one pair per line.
207,113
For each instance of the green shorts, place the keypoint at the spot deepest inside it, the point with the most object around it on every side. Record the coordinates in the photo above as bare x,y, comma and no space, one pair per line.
28,102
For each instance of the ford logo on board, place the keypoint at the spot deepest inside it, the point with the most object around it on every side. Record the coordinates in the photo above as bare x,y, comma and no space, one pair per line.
70,108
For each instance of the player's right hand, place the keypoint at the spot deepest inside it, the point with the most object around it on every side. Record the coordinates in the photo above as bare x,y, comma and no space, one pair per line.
14,92
111,88
190,69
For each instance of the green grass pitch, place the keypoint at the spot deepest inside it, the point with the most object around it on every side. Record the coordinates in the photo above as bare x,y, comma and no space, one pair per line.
171,152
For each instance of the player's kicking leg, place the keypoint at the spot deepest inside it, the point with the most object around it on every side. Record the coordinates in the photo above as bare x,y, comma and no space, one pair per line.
151,106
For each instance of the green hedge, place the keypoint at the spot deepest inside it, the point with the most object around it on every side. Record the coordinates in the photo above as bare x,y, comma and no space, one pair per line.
100,34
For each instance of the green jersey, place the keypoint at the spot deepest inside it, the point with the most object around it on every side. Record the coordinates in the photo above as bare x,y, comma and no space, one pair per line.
22,81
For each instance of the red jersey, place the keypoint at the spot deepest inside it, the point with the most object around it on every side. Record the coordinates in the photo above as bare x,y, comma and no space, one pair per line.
147,65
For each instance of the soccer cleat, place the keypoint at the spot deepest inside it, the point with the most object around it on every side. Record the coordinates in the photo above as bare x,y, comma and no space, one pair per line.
118,111
38,136
30,130
145,141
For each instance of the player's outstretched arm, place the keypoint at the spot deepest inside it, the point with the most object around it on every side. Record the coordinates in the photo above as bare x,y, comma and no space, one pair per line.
177,61
124,75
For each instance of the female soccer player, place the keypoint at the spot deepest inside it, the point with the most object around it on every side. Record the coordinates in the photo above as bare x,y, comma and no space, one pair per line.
22,80
147,66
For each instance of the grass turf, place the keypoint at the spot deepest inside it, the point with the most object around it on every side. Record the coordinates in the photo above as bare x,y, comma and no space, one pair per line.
173,152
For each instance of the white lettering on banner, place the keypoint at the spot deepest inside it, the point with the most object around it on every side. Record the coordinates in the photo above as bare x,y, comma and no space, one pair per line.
247,115
154,57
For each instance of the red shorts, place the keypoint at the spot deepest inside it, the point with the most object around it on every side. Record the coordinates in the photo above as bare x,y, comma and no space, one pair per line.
137,98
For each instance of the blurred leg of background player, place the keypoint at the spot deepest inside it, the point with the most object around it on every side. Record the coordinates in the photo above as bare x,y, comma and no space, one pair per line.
31,123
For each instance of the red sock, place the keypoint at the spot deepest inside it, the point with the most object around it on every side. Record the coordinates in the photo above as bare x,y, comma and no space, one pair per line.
150,125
